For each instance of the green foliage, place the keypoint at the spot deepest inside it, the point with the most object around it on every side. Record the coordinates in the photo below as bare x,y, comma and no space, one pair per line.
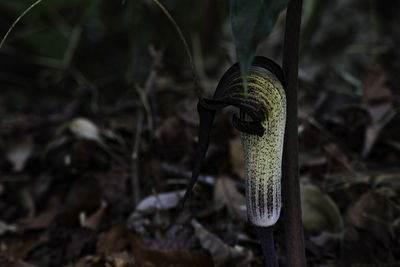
48,42
252,21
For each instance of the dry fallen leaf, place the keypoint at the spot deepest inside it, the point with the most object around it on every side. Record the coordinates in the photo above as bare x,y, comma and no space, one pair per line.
373,213
83,196
18,152
178,236
7,228
90,261
85,129
163,201
236,155
10,262
220,251
28,202
319,212
120,259
375,88
324,244
114,240
377,98
336,153
21,250
226,194
94,220
381,115
45,218
145,256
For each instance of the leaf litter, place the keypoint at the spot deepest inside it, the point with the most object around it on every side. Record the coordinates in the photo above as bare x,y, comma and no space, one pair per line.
66,192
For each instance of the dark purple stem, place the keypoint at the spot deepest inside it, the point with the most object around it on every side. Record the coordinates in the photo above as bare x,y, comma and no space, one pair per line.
266,236
290,180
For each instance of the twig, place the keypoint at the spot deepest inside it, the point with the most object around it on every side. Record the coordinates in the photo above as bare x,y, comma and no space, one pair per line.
16,21
179,172
85,83
143,94
157,58
290,181
135,159
185,44
146,105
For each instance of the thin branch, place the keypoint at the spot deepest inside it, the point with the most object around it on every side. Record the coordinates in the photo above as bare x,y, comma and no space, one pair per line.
137,138
146,91
185,44
290,181
135,158
17,20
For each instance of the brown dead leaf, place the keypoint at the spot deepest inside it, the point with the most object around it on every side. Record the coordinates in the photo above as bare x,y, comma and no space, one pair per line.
93,221
339,156
373,213
21,250
114,240
28,203
370,236
379,111
10,262
113,184
378,99
319,212
145,256
324,244
371,135
120,259
236,156
362,248
219,250
90,261
375,88
45,218
84,196
395,228
226,194
73,243
381,115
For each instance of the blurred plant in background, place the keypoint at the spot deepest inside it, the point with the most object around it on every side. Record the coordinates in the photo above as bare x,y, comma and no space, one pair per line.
97,48
97,97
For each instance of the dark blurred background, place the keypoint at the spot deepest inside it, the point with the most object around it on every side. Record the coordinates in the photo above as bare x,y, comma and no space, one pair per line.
98,112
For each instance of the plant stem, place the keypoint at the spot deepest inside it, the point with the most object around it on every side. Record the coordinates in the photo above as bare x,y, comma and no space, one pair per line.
290,180
266,236
16,21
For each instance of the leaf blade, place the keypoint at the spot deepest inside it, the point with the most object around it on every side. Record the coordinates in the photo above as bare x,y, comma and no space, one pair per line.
252,21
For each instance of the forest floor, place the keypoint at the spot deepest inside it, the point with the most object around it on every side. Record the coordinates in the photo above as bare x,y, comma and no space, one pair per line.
92,177
103,190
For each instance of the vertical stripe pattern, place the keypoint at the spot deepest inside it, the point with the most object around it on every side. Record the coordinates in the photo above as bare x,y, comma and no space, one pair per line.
263,154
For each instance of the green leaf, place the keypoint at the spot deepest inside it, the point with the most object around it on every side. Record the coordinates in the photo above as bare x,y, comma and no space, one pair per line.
252,21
